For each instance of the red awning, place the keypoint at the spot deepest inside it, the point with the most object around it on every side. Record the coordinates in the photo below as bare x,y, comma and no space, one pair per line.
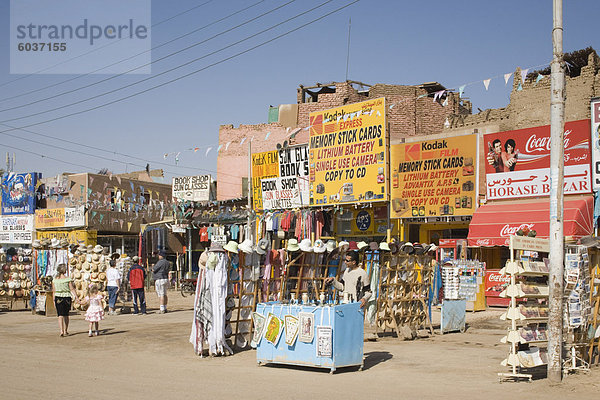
492,224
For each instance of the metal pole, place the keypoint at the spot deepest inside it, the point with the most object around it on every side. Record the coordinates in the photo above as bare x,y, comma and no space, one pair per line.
348,52
557,112
189,232
249,228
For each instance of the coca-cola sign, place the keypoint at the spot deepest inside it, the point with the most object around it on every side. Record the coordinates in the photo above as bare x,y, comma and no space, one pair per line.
508,230
517,163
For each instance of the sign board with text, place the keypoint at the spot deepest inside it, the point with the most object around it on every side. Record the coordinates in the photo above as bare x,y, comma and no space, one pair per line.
518,162
434,178
192,188
67,217
348,154
17,229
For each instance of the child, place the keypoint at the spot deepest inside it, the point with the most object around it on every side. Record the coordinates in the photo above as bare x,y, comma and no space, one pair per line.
95,311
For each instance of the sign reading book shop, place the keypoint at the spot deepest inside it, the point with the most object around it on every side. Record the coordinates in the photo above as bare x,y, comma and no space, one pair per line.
348,154
434,178
192,188
281,178
518,162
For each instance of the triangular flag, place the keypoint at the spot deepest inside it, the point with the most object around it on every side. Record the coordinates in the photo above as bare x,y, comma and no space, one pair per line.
110,176
524,74
447,123
486,83
461,90
91,179
119,179
267,135
519,88
121,223
445,103
219,148
207,151
507,77
150,191
421,96
196,149
227,145
89,192
94,214
131,184
242,142
392,106
105,186
101,216
129,224
539,78
166,155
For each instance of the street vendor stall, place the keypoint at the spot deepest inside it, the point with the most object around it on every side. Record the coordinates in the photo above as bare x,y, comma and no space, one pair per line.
324,336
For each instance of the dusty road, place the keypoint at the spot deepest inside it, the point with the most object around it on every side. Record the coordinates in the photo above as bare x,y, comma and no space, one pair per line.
149,357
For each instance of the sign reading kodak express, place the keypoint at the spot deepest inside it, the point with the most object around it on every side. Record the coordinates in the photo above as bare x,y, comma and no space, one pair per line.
264,165
348,147
434,178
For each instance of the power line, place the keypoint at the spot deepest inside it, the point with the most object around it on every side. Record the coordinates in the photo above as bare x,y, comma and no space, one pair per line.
115,63
171,69
101,47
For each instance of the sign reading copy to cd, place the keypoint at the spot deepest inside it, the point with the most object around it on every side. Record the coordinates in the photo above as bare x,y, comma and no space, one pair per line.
348,154
192,188
434,177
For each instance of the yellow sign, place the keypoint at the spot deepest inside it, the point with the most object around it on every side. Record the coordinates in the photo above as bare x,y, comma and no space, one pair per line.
434,177
50,218
264,165
74,237
348,147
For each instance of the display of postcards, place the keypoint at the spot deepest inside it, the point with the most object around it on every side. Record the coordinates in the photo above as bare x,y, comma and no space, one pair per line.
543,311
574,307
527,333
532,357
534,289
541,333
529,312
546,264
575,321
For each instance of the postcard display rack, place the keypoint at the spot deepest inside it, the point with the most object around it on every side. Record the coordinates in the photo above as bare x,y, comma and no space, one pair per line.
527,331
402,295
323,336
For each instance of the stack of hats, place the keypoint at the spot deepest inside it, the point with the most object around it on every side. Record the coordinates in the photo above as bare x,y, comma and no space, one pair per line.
16,278
88,266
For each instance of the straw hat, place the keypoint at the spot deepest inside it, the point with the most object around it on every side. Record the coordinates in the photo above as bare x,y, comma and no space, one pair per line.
330,246
86,276
292,245
29,284
21,267
36,244
54,243
319,246
72,261
22,275
407,248
11,292
231,247
64,242
362,245
262,246
306,246
94,275
384,246
86,266
23,284
214,246
45,242
78,285
97,249
95,257
343,245
246,246
102,276
2,292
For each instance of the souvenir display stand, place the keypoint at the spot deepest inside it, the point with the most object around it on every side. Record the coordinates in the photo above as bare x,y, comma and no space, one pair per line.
242,296
577,308
329,336
403,292
528,321
16,277
593,356
453,316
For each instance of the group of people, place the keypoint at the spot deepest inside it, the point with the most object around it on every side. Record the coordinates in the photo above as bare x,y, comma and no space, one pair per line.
64,293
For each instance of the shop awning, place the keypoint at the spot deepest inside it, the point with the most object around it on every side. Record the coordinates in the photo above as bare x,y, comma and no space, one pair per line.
492,224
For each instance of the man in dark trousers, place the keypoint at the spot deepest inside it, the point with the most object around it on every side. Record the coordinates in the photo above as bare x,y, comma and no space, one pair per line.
136,277
161,281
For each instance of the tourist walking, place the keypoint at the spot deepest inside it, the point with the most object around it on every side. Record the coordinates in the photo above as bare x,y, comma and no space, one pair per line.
63,291
160,273
136,277
95,311
113,278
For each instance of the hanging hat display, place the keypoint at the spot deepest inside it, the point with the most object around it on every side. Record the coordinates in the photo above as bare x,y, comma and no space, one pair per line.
246,246
292,245
231,247
306,246
330,246
362,245
263,246
319,246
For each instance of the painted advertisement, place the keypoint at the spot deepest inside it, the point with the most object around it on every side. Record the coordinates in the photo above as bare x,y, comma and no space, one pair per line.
18,193
16,229
192,188
73,236
348,147
518,162
595,113
264,165
67,217
434,178
289,165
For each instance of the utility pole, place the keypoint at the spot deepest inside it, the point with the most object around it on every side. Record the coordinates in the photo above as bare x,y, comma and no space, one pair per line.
557,165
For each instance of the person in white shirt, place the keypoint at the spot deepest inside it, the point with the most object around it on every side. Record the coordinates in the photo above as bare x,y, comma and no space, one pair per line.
349,285
113,278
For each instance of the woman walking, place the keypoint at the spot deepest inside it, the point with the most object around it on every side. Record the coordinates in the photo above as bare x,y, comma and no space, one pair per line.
63,291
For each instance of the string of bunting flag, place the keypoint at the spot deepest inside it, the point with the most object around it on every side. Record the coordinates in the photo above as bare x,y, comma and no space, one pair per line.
437,96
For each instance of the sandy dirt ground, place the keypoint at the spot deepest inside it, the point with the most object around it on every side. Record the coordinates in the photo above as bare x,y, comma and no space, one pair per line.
149,357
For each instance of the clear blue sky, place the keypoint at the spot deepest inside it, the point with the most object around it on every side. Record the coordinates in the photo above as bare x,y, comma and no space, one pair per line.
392,42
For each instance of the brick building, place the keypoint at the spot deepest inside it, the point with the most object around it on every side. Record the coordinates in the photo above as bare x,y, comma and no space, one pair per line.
410,112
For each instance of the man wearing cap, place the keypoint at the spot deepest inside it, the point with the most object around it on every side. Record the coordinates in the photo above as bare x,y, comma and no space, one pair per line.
136,277
348,284
160,272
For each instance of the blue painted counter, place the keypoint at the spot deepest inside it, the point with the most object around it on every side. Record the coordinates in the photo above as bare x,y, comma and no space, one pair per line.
346,321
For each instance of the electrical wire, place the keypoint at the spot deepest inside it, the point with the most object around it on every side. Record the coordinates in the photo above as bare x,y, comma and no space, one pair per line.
100,47
133,56
161,73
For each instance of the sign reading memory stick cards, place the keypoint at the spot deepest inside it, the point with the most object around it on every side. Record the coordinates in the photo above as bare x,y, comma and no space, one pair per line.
348,154
434,177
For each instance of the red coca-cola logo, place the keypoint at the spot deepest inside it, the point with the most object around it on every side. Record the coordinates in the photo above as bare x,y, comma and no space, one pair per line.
498,278
482,242
508,230
542,144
